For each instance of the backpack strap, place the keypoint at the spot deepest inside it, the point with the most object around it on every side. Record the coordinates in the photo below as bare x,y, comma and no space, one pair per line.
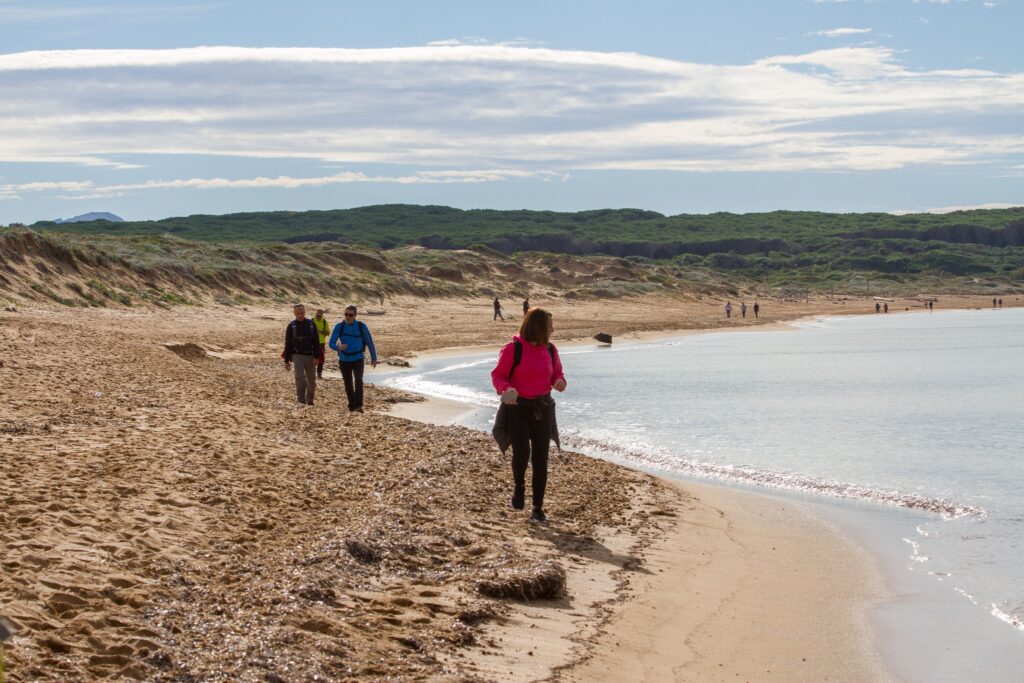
517,356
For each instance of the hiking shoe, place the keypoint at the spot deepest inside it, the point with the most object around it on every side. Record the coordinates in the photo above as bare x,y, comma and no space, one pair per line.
517,500
538,516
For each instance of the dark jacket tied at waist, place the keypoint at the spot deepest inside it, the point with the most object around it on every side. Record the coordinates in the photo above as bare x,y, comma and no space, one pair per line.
500,431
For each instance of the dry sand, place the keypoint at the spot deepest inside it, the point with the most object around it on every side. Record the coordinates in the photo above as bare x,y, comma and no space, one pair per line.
169,513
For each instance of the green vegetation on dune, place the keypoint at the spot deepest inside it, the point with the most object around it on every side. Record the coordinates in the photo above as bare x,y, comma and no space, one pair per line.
599,231
977,250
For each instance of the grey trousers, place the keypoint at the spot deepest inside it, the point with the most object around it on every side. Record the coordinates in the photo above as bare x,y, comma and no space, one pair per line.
305,377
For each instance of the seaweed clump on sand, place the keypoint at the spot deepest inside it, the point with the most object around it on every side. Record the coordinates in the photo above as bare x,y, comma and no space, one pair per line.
541,582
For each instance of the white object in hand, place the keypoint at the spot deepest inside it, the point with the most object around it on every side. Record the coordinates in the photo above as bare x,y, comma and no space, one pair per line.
509,396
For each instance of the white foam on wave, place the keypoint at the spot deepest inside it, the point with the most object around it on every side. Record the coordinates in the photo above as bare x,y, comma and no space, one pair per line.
462,366
645,455
1012,620
419,385
915,547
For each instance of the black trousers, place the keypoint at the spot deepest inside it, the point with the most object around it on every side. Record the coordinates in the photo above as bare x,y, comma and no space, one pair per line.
352,372
529,425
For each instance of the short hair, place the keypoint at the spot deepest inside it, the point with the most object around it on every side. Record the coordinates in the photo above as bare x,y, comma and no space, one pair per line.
534,327
352,307
298,306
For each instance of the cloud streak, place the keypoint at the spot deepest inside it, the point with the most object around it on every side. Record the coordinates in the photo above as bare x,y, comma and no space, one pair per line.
91,190
453,111
840,32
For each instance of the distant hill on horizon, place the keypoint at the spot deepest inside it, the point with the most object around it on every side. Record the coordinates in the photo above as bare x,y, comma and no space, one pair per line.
91,216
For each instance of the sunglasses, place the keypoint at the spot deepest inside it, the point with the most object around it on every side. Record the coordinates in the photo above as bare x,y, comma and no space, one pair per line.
350,315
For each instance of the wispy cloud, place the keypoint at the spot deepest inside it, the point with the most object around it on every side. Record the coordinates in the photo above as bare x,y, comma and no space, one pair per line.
840,32
25,12
455,109
91,190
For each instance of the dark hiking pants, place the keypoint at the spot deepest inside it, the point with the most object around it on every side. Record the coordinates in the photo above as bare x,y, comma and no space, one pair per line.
352,372
529,426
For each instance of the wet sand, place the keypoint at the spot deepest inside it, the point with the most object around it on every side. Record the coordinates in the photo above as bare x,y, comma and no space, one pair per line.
715,585
170,513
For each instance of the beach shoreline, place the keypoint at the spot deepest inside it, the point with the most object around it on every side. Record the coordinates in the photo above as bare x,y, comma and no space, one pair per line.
171,498
686,616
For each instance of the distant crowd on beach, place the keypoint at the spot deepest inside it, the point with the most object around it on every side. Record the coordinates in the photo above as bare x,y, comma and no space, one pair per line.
528,368
743,309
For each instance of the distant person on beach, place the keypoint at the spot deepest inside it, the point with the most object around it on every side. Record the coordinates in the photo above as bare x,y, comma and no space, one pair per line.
1000,303
743,309
931,305
993,303
528,411
301,347
878,307
728,309
526,306
497,310
757,309
323,328
350,339
885,307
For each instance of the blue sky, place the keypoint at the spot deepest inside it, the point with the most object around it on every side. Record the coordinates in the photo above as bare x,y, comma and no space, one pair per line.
155,109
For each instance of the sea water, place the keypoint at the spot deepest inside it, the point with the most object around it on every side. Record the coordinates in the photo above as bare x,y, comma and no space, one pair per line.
908,427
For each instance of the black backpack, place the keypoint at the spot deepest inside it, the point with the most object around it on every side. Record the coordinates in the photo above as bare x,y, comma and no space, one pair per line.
517,356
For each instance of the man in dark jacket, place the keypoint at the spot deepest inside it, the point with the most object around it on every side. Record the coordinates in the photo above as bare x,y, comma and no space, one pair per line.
302,347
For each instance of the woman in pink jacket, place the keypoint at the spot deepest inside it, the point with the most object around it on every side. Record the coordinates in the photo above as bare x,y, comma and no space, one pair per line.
525,388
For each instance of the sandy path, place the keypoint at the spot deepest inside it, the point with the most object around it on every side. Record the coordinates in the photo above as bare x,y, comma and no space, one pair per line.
173,519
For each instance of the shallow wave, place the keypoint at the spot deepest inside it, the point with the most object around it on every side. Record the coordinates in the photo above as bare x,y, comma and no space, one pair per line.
1012,620
654,458
419,385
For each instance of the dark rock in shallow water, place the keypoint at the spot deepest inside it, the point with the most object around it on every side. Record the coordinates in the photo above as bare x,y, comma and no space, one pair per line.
603,337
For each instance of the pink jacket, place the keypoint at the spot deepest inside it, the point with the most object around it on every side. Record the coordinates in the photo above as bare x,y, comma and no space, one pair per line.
535,373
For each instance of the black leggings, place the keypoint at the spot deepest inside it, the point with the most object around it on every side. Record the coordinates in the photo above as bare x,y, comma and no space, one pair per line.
353,370
529,425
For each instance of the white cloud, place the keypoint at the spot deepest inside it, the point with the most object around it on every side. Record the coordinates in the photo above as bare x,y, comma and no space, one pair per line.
25,12
91,190
840,32
455,112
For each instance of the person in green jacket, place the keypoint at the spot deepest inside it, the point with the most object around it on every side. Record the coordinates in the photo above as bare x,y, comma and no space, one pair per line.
324,329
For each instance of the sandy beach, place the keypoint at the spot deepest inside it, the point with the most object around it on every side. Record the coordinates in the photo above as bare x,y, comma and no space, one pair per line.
171,514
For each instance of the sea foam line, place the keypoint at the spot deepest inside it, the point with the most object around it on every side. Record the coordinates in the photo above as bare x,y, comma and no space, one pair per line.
650,457
1010,619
